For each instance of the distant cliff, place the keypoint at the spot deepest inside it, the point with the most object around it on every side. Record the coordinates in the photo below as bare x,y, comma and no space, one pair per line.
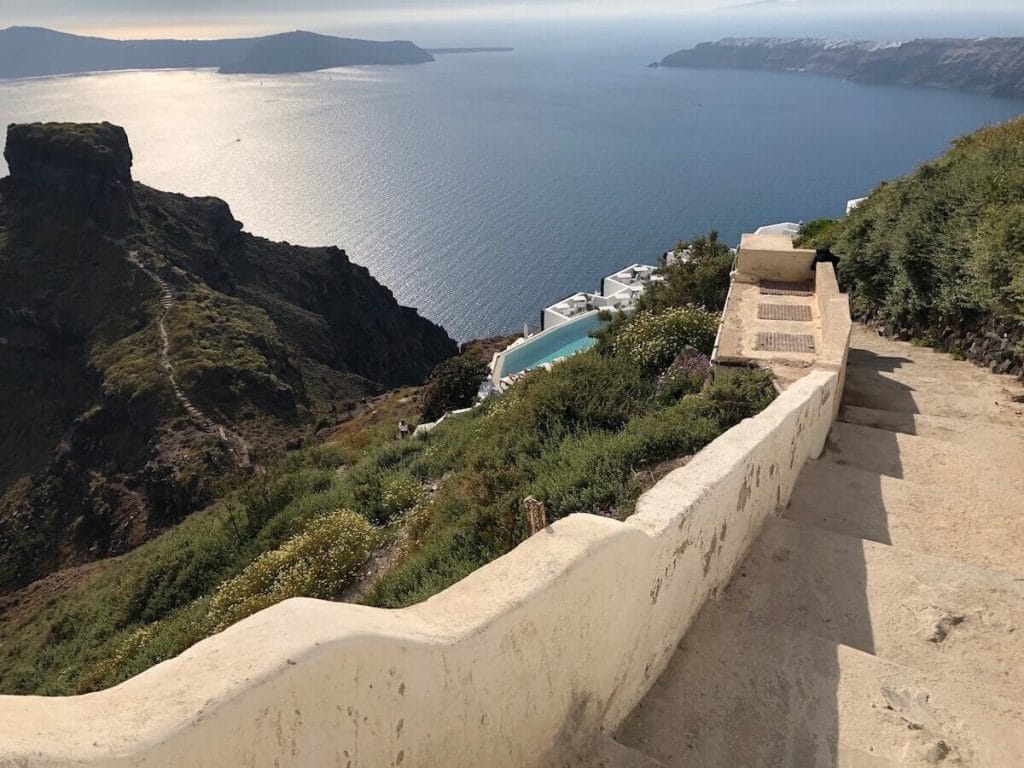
34,52
151,349
992,65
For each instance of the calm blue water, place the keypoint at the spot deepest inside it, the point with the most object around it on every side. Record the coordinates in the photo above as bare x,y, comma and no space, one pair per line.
482,188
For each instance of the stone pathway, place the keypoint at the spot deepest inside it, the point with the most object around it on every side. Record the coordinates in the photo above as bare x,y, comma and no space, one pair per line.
236,444
880,620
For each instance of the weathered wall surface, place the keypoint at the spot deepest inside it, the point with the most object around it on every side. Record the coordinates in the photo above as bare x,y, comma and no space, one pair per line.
518,665
772,257
836,325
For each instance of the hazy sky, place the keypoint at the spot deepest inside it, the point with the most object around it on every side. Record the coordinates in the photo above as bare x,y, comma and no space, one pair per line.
204,18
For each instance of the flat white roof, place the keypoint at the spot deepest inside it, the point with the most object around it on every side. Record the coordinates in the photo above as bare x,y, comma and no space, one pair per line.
789,228
851,204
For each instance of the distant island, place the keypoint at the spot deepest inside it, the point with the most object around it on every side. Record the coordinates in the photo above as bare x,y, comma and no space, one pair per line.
37,52
994,66
309,52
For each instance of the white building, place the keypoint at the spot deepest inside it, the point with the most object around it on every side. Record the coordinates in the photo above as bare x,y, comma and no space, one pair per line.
789,228
619,291
851,204
566,309
634,275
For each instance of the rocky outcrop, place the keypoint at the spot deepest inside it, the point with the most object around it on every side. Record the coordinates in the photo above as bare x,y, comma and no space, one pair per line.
991,65
86,167
148,344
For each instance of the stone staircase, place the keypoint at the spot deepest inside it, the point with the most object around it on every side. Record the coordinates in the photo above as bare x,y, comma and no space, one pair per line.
880,620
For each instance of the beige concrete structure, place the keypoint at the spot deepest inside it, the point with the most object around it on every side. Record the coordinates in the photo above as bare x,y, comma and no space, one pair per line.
524,663
783,311
879,622
773,257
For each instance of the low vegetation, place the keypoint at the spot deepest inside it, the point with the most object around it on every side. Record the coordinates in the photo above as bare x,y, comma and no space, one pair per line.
588,436
453,385
943,247
819,233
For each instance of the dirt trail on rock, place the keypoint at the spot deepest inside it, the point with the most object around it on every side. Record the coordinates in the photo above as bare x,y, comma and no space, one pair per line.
236,444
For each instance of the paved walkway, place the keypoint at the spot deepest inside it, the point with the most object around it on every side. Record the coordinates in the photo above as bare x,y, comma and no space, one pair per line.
880,620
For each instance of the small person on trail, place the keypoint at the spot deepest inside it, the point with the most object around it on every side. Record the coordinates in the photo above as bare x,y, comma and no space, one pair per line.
403,429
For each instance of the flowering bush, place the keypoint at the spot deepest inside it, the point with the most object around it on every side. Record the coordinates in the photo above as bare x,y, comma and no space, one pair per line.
685,376
652,342
318,563
400,495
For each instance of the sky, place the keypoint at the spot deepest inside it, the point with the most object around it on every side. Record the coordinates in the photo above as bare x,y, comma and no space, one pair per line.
212,18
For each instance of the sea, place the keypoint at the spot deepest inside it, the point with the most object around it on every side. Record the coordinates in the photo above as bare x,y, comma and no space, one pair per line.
483,187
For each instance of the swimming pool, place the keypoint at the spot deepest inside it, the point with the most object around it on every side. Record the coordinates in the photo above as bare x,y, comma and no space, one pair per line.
561,341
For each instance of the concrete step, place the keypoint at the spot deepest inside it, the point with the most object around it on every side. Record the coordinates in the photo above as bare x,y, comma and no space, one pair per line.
896,376
740,693
924,460
961,622
983,529
976,435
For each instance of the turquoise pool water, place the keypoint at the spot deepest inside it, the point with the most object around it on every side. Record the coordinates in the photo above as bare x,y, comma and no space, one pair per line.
561,341
564,351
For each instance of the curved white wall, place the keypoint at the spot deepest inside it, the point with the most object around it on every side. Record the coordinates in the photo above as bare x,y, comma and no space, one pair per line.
518,665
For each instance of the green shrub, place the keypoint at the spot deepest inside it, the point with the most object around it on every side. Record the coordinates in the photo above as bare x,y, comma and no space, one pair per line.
686,376
585,392
477,514
401,493
703,281
819,233
652,342
453,385
740,395
317,563
943,246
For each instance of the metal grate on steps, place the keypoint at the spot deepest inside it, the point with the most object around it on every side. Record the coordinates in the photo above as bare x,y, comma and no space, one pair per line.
785,342
795,312
776,288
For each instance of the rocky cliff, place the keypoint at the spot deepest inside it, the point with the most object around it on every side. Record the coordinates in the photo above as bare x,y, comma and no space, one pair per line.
992,65
152,350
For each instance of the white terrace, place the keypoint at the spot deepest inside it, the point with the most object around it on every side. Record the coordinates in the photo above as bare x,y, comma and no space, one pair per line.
618,291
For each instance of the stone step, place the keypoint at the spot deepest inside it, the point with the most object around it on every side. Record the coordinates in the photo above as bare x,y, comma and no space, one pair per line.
895,376
740,693
962,622
985,529
977,435
922,460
